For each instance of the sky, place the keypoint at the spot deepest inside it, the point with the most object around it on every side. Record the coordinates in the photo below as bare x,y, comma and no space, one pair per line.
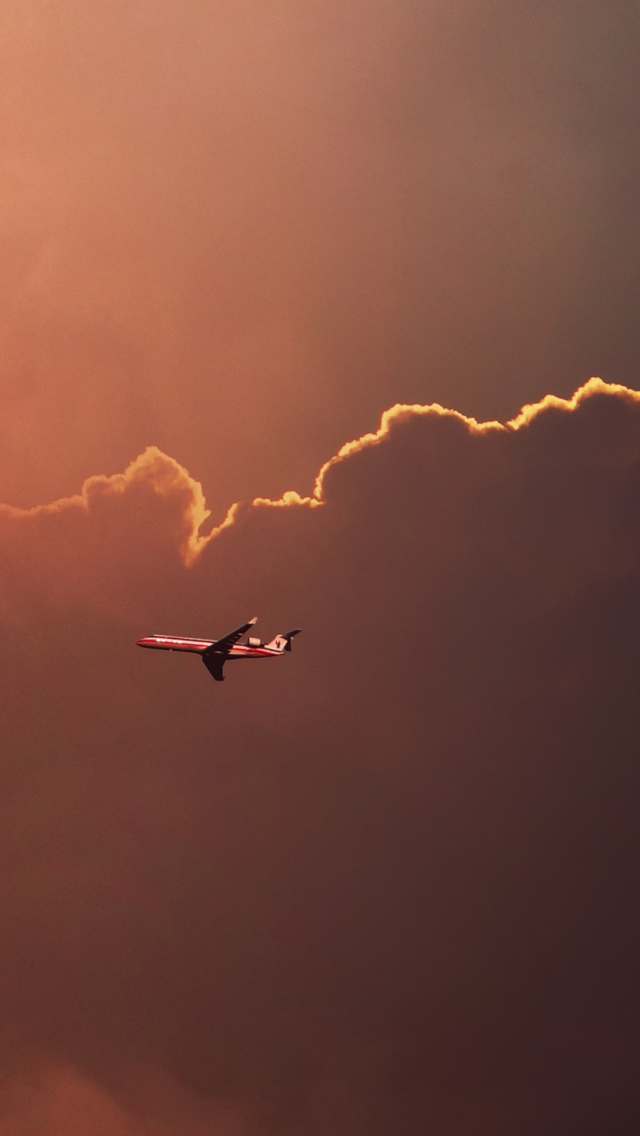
241,232
341,274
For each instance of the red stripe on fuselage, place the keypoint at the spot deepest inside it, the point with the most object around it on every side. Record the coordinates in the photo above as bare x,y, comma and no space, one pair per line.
243,652
167,643
240,651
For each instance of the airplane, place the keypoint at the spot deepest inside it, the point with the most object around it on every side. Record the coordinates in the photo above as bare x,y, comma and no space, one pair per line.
216,652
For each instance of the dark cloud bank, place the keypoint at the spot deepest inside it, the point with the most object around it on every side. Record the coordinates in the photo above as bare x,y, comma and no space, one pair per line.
387,885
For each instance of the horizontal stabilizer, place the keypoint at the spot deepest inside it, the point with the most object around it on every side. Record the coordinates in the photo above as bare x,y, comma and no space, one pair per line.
288,635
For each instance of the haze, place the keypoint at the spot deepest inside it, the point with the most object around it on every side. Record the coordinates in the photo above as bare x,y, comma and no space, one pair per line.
241,231
249,254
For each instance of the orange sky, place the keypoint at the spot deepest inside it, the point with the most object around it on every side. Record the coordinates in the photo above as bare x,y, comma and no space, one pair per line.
385,886
240,233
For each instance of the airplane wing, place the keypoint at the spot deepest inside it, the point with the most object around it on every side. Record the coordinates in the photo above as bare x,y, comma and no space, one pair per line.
214,665
224,645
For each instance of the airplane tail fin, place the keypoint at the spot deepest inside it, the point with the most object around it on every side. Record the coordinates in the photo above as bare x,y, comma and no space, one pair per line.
283,642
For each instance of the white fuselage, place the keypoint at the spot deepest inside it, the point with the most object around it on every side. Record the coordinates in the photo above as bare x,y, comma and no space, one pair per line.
198,646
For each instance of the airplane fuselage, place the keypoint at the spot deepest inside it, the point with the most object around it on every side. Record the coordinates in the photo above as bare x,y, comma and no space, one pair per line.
198,646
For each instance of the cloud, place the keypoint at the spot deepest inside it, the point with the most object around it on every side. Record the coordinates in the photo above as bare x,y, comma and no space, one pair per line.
241,234
386,884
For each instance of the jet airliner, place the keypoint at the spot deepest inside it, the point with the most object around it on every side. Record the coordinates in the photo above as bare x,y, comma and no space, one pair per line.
216,652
